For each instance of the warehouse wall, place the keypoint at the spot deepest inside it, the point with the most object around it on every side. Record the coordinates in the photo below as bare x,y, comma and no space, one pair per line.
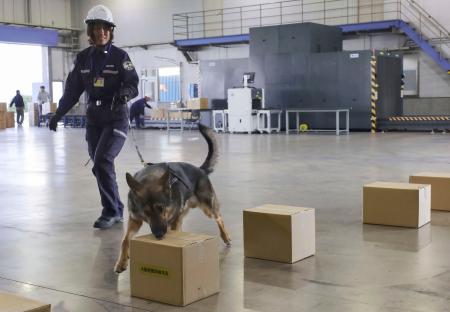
438,9
44,12
143,22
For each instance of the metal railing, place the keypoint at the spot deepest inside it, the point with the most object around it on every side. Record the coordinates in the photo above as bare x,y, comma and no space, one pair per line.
239,20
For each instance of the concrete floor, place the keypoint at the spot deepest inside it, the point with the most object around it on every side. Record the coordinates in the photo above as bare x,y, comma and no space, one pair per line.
50,252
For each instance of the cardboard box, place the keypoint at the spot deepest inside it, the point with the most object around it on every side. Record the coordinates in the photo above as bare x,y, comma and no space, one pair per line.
10,120
14,303
180,269
399,204
197,103
53,107
279,233
3,107
2,120
440,188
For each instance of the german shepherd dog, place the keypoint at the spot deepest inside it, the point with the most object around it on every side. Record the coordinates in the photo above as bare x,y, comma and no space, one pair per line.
161,194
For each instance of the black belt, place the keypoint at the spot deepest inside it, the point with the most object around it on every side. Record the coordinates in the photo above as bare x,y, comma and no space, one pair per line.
100,102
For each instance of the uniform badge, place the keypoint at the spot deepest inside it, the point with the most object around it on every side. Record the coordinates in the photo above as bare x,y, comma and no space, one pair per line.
99,82
128,65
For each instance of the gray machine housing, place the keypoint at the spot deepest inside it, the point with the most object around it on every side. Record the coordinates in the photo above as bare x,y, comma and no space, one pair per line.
303,66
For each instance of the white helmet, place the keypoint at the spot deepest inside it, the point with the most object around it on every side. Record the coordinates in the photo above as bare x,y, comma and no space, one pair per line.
100,13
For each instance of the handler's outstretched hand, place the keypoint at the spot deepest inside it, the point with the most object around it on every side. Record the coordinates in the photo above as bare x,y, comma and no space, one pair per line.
53,123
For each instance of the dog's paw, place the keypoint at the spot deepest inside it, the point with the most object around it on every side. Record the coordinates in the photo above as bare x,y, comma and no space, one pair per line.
120,267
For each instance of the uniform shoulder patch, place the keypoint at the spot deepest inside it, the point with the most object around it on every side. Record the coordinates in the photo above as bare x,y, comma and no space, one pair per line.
128,65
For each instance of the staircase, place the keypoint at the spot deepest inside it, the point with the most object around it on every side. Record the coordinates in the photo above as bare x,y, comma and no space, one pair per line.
192,30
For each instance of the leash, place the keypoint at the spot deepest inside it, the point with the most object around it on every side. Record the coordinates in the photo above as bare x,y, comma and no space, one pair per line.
135,143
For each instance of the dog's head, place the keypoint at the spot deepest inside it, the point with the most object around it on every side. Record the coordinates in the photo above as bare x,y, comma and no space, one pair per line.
153,199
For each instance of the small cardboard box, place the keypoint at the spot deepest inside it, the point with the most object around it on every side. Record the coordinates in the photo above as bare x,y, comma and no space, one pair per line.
279,233
14,303
398,204
10,120
197,103
440,188
178,270
3,107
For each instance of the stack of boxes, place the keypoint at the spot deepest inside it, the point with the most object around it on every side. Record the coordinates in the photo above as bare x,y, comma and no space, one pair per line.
10,120
2,115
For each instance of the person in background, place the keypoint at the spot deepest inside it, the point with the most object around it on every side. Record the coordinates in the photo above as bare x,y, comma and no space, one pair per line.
20,107
43,97
137,111
107,75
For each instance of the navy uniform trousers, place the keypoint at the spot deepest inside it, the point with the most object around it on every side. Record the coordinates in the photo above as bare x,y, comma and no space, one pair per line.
104,144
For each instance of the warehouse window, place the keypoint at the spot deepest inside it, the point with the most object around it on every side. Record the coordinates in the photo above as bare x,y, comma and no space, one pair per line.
169,84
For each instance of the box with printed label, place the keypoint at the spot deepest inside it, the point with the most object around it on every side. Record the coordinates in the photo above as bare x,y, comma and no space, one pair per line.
398,204
14,303
440,188
279,233
178,270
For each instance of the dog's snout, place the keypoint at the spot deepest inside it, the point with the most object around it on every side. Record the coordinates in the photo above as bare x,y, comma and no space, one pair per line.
159,232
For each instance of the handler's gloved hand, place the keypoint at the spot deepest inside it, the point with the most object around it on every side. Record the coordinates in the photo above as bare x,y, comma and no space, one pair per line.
53,123
118,101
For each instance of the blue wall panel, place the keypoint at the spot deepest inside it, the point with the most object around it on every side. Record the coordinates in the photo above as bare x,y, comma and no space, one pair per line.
28,35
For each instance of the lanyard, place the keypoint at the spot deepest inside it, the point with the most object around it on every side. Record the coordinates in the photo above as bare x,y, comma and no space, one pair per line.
105,60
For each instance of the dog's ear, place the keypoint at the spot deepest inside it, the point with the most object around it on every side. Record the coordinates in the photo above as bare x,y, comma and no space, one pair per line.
134,185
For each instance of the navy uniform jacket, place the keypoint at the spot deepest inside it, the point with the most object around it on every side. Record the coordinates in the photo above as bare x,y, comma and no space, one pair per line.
119,79
18,100
138,107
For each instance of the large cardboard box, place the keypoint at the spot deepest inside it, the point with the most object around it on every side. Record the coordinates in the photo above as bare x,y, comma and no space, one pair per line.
197,103
10,120
180,269
14,303
279,233
440,188
399,204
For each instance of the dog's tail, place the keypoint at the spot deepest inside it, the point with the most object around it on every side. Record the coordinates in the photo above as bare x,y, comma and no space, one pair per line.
213,155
